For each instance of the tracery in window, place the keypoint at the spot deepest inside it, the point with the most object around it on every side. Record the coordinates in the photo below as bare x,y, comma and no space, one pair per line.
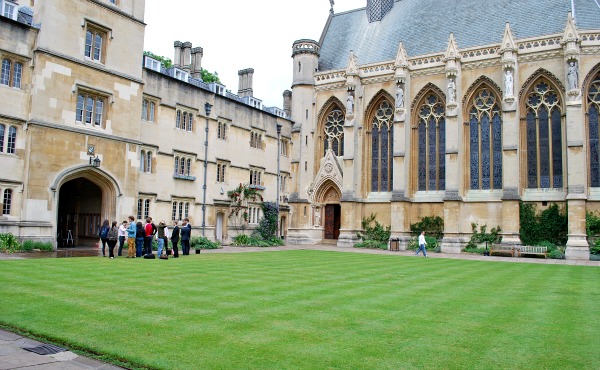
593,98
382,148
334,132
431,144
544,137
485,141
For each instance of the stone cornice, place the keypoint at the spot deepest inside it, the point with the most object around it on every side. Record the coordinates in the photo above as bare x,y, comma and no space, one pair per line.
118,11
87,132
96,66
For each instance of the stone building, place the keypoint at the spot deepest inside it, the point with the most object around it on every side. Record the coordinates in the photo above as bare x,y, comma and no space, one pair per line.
90,130
419,108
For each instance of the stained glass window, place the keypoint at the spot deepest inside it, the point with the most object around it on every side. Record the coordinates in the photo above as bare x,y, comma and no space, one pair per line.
432,145
485,141
544,137
593,108
334,131
382,148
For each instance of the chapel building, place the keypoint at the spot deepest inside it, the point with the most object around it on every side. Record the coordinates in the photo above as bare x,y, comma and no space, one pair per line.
414,108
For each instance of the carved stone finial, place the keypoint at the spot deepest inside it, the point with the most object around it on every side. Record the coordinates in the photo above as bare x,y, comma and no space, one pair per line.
331,3
351,72
571,41
452,57
508,41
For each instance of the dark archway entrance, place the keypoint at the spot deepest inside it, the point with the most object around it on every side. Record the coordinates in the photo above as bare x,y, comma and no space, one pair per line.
332,221
79,213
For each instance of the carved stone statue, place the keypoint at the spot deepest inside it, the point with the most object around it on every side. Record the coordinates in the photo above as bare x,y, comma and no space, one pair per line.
572,76
451,91
317,216
399,97
508,82
350,104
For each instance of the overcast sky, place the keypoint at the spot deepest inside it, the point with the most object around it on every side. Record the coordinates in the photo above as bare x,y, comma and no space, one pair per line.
239,34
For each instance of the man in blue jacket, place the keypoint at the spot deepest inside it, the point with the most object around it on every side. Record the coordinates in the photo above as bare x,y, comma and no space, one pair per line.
131,238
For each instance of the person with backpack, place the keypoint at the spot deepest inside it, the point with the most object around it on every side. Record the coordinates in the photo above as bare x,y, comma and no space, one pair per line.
140,236
149,233
104,236
113,236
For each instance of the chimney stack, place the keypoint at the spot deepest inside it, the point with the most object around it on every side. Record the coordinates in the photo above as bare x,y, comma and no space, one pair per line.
197,54
287,103
186,56
177,58
245,84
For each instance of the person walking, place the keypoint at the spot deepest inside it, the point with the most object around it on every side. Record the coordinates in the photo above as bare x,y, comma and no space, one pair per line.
122,236
186,233
175,239
131,230
422,244
113,236
103,234
140,236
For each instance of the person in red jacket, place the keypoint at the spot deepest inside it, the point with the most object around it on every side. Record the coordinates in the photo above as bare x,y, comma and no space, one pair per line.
148,228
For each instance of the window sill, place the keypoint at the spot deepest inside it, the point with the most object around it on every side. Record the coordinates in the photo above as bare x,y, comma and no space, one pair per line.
544,195
257,187
184,177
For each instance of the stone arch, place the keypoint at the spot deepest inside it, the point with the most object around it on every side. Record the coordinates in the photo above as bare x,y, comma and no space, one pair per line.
372,156
109,186
477,84
328,192
541,72
587,82
430,87
331,104
591,130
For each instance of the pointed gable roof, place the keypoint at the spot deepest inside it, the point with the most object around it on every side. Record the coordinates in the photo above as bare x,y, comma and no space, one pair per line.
424,25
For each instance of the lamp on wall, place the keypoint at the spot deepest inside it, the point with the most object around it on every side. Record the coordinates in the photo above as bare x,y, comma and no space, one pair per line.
95,162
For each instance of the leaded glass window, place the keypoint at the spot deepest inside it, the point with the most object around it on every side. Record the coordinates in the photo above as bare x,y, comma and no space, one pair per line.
146,208
544,137
485,142
2,129
382,148
593,108
7,202
431,145
334,132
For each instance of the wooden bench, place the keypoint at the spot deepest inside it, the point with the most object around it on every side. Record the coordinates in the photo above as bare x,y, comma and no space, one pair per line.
529,249
503,248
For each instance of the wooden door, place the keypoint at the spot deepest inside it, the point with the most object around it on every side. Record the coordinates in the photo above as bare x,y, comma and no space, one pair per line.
332,221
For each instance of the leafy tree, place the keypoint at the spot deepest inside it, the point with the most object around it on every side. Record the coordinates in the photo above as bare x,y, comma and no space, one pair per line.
166,62
209,77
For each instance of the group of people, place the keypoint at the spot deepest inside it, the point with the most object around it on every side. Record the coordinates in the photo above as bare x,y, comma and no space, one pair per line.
139,237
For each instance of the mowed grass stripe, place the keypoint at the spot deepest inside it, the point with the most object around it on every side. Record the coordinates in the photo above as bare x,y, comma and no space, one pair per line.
310,309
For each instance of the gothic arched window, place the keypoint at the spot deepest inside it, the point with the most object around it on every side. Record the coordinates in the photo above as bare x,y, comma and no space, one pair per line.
431,144
382,148
544,137
485,141
593,108
334,131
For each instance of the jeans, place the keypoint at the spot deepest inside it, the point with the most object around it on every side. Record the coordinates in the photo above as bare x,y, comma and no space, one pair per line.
421,248
104,241
121,244
139,244
161,244
147,245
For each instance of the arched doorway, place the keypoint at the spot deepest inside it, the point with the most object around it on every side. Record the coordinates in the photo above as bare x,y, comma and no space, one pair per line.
84,197
329,197
79,213
219,228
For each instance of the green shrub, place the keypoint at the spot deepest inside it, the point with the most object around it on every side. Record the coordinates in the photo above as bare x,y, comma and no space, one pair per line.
595,249
372,244
9,243
432,225
550,224
268,224
374,232
482,236
29,245
200,242
256,241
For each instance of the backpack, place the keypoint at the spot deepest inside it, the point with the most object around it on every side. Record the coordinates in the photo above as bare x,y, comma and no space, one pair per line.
104,232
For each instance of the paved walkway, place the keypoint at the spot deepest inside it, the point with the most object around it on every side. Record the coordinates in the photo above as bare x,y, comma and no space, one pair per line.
13,355
12,346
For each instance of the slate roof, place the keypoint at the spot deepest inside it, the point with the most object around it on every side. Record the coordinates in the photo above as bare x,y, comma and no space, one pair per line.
424,27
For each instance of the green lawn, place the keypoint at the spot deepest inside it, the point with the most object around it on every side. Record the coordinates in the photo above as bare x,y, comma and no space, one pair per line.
310,310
